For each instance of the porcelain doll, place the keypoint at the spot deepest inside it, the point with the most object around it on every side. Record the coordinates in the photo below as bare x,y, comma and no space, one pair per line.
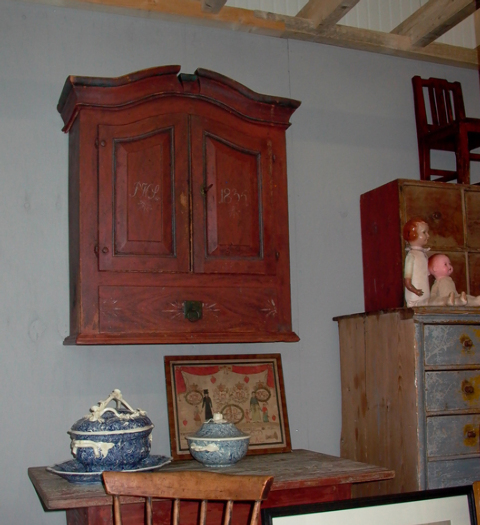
415,278
444,291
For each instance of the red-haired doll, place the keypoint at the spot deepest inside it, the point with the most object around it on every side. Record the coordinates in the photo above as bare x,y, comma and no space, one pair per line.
415,278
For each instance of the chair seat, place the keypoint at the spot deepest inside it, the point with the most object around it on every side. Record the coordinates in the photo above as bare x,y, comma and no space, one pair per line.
445,137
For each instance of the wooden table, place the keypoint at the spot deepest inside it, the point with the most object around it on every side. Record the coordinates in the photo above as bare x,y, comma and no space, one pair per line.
300,477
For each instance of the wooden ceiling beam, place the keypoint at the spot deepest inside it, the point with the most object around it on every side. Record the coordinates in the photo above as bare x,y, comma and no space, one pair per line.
212,6
325,12
280,26
435,18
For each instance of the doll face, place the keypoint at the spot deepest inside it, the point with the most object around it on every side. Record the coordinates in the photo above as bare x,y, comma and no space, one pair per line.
442,266
422,235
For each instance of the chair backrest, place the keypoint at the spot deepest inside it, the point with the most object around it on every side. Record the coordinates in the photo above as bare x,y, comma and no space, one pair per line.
437,103
188,485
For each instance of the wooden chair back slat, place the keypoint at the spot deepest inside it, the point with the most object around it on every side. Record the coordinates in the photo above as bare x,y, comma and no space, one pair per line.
148,511
116,511
228,513
203,513
188,485
176,512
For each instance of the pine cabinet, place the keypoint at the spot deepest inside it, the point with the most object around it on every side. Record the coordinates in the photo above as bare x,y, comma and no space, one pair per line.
178,209
452,212
411,395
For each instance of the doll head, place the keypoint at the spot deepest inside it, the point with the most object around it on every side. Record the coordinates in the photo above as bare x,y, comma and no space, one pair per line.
439,265
415,232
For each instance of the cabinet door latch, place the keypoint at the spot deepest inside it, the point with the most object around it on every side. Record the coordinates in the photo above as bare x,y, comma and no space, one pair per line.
192,310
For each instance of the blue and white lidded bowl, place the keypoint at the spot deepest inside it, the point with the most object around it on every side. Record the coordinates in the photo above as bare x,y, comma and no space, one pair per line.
218,443
111,438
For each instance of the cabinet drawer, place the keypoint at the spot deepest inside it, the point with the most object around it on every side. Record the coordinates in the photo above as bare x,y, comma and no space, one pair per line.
453,473
453,435
452,390
145,309
452,345
441,207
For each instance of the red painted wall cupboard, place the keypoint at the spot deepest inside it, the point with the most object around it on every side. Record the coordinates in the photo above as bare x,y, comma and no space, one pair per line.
178,209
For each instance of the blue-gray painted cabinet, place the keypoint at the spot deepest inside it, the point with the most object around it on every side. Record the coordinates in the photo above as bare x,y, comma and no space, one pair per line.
411,395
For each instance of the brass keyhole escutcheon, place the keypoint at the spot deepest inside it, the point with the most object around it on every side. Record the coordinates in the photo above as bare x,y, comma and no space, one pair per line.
193,310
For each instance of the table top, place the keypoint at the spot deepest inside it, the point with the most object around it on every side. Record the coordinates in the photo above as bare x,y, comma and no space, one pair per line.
291,470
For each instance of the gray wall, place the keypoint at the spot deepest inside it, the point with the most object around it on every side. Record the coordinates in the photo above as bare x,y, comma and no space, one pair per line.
354,131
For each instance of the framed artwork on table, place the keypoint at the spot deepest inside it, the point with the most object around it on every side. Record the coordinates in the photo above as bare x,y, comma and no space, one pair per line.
446,506
247,389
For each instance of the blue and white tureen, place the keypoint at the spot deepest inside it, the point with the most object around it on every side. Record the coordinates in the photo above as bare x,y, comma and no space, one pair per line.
111,438
218,443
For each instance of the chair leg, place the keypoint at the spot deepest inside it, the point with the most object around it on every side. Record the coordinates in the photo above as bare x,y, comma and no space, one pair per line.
462,156
424,159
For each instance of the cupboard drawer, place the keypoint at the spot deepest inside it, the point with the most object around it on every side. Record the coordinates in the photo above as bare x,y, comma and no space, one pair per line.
143,309
452,344
452,390
453,473
453,435
441,207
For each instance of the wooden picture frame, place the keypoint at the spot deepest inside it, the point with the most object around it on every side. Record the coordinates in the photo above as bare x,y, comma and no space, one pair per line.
247,389
446,506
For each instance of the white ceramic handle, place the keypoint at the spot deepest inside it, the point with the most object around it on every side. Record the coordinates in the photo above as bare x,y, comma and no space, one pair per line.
211,447
98,410
99,449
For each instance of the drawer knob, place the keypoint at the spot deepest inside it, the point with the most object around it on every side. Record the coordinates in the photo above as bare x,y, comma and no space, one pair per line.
467,343
193,310
468,388
471,434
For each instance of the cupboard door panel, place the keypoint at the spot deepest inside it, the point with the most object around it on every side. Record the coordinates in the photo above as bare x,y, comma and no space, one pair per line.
474,273
442,209
472,205
146,309
143,219
232,208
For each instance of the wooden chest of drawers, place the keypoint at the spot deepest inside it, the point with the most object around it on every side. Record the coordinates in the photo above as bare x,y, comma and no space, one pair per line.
411,395
453,213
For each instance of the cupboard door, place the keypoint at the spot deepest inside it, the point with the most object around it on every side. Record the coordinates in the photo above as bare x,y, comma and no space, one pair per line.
143,195
232,194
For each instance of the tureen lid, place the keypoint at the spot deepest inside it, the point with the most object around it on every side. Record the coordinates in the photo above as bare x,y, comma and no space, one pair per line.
218,428
103,419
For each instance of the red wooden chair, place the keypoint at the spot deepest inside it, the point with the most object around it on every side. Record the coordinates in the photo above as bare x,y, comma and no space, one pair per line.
188,485
442,125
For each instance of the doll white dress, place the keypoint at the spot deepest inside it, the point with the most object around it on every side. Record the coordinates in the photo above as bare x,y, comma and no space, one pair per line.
416,267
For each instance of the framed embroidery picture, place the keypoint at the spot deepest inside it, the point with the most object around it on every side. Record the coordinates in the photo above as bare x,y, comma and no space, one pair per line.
248,390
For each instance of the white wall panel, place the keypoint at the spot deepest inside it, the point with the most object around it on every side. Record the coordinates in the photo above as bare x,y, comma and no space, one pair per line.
354,131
